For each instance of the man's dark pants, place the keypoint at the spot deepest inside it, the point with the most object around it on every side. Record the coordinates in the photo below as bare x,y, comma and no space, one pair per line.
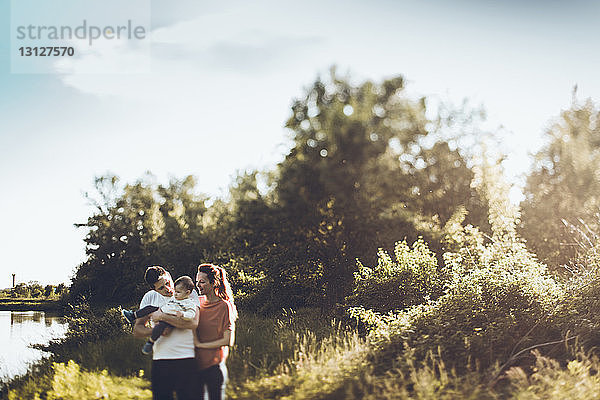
178,375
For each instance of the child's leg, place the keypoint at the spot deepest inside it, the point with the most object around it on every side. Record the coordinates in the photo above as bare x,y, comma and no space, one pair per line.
142,312
158,330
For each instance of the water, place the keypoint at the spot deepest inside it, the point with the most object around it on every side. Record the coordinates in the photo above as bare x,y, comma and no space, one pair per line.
18,330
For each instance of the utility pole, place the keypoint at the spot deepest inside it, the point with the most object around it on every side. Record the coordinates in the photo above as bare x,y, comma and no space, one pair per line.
13,280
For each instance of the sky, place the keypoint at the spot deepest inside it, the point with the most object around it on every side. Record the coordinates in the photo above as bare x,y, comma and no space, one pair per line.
210,95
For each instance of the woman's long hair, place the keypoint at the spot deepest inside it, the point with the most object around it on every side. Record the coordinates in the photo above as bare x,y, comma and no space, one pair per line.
218,278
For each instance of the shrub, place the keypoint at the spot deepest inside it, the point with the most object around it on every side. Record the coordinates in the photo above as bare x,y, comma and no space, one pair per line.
121,354
498,302
88,325
485,317
245,279
412,278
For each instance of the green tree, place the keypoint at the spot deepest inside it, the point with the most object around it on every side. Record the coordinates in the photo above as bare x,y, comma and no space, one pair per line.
118,242
35,289
61,288
367,167
359,175
182,243
21,290
136,225
562,191
339,130
48,290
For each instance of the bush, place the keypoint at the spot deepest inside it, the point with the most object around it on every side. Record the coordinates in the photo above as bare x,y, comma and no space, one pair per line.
498,302
484,318
412,278
88,325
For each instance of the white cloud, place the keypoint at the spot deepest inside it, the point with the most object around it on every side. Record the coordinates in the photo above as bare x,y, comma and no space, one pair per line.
106,57
209,52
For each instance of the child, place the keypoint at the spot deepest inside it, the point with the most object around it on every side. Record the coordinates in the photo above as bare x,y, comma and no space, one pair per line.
180,305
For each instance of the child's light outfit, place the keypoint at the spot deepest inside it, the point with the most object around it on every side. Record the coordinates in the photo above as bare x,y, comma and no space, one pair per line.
186,306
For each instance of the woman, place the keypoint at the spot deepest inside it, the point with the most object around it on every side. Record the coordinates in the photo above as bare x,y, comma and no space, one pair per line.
215,331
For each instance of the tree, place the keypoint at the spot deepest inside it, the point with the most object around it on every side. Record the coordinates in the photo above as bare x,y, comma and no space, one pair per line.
360,176
48,290
563,188
366,168
61,289
182,243
137,225
120,233
21,290
35,289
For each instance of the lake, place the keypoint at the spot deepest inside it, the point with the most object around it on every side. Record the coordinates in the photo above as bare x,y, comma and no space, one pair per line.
18,330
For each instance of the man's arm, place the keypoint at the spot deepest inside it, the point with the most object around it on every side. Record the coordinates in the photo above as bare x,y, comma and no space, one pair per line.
140,329
176,321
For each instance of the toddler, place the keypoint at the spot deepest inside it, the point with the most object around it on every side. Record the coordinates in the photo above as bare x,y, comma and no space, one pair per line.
180,305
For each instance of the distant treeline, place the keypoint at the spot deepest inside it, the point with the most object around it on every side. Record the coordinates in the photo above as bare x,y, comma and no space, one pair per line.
367,166
34,289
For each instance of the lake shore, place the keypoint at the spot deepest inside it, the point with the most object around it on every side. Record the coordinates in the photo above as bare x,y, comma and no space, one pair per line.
12,304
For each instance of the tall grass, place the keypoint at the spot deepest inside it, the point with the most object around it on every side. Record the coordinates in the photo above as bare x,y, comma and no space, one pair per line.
335,364
264,344
579,380
301,355
70,382
304,355
307,367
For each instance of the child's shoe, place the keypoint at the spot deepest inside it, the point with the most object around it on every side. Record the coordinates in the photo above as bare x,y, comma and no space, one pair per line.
129,316
147,349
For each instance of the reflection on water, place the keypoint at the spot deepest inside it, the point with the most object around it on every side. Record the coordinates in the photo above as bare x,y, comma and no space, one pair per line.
18,330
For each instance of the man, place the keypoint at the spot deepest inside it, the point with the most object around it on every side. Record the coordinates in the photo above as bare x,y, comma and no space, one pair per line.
173,364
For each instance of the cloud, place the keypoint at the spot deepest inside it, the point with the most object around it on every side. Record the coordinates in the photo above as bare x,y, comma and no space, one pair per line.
187,54
261,55
106,57
167,12
251,52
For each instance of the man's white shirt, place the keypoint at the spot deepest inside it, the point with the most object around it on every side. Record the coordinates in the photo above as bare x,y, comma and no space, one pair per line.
180,342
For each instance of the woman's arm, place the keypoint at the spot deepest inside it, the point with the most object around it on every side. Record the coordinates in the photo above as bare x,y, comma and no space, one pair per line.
226,340
176,321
